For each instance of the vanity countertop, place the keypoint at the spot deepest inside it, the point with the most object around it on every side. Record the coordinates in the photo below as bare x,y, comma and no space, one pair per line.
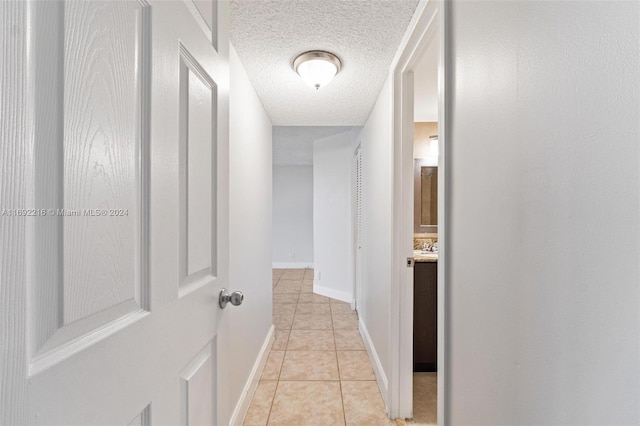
422,256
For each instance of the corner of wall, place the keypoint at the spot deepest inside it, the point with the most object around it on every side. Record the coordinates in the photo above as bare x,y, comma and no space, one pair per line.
332,293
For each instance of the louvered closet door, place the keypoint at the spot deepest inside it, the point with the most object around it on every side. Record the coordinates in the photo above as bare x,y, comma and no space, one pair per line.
129,161
357,185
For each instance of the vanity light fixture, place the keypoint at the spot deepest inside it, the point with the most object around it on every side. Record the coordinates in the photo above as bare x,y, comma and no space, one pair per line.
317,67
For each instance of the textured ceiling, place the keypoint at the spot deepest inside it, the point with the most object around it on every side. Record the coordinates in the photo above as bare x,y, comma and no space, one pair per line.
293,145
365,34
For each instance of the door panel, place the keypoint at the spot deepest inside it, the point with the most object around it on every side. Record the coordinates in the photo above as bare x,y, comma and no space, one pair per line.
197,387
142,419
126,103
101,145
198,99
199,174
89,255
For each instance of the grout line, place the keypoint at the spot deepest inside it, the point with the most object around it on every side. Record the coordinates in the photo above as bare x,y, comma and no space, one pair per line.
287,350
283,357
335,345
272,401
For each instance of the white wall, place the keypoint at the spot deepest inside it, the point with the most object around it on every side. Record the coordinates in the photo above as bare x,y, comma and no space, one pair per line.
249,226
332,216
292,216
377,161
543,273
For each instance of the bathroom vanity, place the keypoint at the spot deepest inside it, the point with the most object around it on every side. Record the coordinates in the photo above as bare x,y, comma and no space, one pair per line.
425,313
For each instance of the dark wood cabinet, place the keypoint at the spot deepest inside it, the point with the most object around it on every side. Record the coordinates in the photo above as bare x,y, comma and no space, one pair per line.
425,316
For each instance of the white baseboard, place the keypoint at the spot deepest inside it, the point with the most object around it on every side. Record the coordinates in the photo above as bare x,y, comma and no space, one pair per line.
334,294
242,406
381,378
292,265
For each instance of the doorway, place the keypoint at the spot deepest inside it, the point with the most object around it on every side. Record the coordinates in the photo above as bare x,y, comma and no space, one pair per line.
426,35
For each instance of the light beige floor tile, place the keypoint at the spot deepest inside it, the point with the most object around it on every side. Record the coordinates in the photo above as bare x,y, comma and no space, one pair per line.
272,367
282,322
311,340
363,405
309,365
304,350
293,274
425,398
355,365
313,309
312,322
285,298
313,298
280,341
345,322
284,308
288,286
258,412
307,404
348,340
342,309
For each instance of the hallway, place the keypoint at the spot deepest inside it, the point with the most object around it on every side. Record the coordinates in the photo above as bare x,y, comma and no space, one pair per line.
318,371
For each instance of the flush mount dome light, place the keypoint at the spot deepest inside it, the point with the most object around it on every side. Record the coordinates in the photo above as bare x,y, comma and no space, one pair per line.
317,68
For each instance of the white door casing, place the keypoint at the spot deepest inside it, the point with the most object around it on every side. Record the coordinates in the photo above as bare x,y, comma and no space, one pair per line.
428,22
115,141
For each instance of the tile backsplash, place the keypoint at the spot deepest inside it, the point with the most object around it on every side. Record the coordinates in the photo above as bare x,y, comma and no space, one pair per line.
418,241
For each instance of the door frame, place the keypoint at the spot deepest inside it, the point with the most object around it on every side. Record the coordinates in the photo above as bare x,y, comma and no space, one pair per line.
431,19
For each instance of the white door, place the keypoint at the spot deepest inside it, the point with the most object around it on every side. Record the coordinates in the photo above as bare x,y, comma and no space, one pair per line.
118,143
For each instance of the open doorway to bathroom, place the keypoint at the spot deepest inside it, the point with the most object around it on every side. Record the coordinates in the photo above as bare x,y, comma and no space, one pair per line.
417,386
425,235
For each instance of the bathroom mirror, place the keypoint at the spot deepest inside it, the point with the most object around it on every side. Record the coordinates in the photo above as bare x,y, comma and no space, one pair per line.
425,198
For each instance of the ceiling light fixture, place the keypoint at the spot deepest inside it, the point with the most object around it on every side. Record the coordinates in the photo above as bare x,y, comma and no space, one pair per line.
316,67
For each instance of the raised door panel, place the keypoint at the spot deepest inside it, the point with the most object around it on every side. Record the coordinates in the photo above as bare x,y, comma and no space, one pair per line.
197,389
89,259
198,97
199,176
205,13
142,419
101,157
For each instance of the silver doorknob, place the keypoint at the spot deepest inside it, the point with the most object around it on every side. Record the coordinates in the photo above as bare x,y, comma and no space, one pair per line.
235,298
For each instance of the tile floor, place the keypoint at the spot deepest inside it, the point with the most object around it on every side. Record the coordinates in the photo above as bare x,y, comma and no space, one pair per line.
425,397
318,372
